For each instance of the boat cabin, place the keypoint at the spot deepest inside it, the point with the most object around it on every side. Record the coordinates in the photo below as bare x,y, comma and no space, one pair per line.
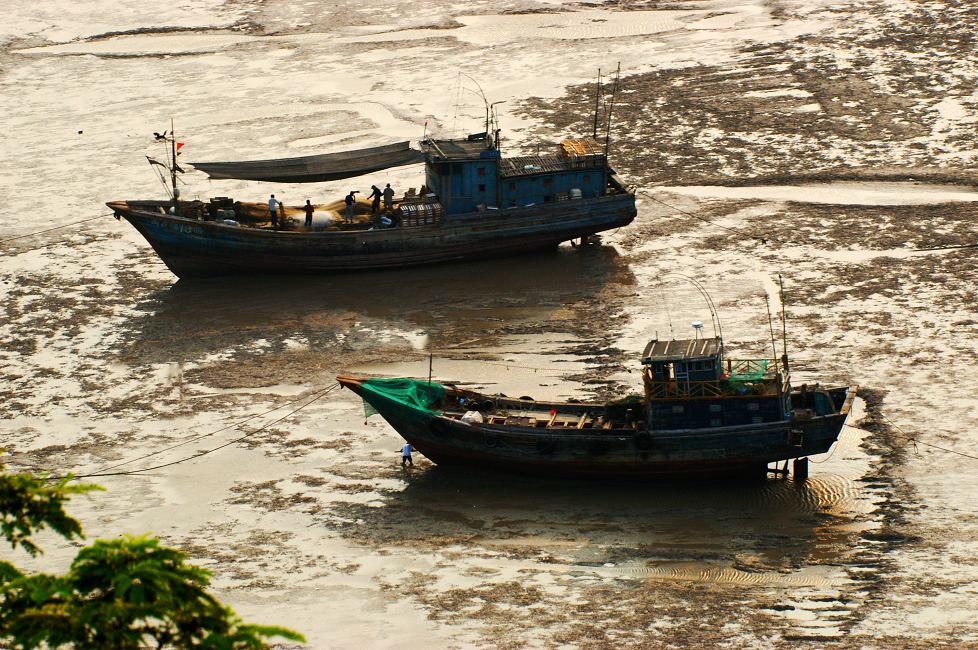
688,383
470,174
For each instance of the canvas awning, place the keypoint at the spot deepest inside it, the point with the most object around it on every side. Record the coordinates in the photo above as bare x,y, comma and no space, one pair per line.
314,169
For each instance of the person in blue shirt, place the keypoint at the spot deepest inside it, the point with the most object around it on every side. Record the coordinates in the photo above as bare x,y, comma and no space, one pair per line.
406,455
350,200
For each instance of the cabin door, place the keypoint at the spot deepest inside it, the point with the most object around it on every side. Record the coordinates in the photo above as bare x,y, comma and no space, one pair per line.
682,374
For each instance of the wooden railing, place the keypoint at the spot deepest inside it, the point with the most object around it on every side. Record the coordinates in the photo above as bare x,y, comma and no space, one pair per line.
680,388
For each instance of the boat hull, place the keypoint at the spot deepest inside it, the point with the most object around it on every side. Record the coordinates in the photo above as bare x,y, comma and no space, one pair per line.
629,454
196,248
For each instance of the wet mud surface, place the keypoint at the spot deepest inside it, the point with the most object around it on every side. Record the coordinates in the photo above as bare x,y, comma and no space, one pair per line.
309,520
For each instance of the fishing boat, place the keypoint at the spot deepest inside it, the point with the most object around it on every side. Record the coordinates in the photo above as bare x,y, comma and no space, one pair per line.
474,204
700,415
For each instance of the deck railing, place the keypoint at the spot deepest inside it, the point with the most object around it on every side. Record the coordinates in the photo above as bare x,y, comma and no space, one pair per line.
769,384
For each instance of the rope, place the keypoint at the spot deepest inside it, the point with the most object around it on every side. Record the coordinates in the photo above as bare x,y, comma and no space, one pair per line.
947,248
103,472
763,240
915,441
41,232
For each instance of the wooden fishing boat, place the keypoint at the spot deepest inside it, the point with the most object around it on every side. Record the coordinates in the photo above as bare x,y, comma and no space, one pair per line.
701,415
474,204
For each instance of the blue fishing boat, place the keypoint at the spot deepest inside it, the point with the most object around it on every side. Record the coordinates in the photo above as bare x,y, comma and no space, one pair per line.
474,204
700,415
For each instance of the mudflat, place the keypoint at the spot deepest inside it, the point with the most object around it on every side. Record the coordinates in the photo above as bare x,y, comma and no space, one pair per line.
831,143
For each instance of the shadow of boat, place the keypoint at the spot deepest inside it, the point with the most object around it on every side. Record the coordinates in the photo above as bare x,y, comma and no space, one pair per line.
778,521
189,319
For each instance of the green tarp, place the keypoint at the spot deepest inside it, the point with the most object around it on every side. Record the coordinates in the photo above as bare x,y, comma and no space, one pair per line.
413,394
752,371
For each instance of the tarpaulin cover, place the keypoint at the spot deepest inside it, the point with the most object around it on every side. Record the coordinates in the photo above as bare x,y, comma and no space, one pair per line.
400,394
318,168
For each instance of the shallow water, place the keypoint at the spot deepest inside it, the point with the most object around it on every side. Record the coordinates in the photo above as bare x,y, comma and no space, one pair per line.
311,522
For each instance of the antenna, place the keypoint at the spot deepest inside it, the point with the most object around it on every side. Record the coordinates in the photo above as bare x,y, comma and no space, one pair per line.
784,328
714,316
770,326
495,121
484,100
597,106
672,333
614,95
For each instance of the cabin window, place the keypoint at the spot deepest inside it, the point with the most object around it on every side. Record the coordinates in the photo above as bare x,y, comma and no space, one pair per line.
512,203
678,408
708,364
480,171
548,182
753,406
587,178
716,408
482,187
548,198
716,422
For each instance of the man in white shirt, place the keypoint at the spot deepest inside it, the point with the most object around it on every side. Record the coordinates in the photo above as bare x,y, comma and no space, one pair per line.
273,210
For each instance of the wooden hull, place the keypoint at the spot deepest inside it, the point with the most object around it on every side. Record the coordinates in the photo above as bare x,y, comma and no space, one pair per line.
195,248
630,454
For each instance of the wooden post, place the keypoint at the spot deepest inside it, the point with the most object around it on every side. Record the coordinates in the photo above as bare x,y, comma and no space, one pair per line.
801,469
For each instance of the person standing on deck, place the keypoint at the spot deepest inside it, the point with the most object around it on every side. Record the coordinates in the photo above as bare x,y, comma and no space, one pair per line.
308,207
375,195
388,197
406,455
273,210
349,200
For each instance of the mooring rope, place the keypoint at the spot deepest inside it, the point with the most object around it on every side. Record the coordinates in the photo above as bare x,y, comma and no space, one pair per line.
915,441
763,240
104,472
909,438
946,248
41,232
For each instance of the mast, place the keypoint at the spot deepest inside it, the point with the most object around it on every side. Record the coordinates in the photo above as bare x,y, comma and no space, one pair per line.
495,125
597,104
614,94
173,165
784,329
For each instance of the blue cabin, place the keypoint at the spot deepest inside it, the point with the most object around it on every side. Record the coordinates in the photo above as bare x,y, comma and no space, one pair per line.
470,175
689,384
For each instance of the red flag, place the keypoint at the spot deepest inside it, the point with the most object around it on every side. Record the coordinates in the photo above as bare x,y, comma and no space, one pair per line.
179,146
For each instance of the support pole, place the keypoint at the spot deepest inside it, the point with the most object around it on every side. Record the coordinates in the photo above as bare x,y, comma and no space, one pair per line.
801,469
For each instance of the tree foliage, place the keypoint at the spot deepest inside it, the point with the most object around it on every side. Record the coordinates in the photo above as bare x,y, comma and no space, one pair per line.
118,594
29,504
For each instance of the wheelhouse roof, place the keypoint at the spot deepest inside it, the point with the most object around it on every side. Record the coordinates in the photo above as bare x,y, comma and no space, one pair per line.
529,165
680,350
458,148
